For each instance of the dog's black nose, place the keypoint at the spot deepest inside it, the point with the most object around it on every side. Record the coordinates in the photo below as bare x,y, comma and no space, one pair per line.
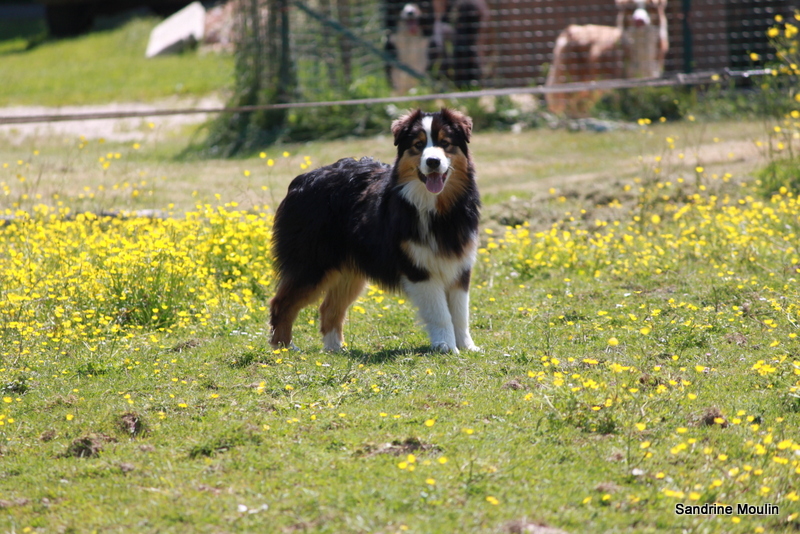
433,163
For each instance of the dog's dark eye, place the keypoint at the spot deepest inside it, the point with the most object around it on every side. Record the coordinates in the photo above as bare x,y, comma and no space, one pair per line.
419,145
444,143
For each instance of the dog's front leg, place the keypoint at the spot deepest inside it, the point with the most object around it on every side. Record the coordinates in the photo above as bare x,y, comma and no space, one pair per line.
430,298
458,304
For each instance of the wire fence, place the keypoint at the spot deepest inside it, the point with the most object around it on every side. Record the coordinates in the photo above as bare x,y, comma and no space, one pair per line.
701,34
512,43
351,51
697,78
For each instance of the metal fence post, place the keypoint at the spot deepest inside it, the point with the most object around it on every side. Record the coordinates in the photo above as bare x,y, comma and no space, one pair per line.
686,30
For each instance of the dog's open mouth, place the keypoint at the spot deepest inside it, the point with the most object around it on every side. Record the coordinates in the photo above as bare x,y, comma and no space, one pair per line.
434,181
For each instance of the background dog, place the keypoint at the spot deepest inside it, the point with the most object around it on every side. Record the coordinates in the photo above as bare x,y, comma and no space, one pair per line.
411,226
437,37
410,46
634,48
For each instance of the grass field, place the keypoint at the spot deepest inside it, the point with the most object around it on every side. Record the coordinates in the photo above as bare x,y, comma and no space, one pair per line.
639,337
101,67
96,174
636,300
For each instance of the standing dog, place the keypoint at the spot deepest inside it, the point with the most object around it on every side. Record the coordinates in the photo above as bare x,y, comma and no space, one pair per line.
411,226
634,48
410,46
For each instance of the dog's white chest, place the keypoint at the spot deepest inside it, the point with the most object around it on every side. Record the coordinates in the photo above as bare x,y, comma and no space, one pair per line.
444,267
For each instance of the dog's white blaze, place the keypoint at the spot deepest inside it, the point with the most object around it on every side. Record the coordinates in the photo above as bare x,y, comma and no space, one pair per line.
430,298
427,125
432,151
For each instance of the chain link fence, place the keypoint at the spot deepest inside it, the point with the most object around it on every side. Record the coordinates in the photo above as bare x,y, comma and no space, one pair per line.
336,43
324,50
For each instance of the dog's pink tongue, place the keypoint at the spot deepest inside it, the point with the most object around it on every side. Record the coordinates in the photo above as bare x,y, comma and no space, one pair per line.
435,182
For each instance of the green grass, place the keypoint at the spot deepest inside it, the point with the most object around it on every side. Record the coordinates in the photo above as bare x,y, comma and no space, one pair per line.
638,355
104,66
18,35
509,165
640,336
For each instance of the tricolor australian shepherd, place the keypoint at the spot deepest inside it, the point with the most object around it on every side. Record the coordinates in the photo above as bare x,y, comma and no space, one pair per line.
411,226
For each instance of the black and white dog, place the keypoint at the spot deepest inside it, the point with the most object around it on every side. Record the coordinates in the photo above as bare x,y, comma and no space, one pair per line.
411,226
436,37
410,47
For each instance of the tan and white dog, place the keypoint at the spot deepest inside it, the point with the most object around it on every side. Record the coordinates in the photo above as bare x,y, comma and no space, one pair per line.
634,48
411,48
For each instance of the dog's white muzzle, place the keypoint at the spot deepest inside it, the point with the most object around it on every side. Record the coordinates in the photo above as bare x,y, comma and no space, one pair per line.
434,165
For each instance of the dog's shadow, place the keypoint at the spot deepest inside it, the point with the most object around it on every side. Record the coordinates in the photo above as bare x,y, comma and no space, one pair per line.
386,355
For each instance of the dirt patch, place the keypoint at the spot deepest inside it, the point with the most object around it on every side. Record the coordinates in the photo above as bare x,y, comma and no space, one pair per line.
88,446
591,201
61,400
713,416
524,526
209,489
48,435
131,423
400,448
186,345
514,385
111,129
4,504
126,467
737,338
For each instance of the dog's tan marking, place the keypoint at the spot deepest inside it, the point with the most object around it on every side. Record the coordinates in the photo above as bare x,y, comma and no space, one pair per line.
342,291
456,184
407,168
287,303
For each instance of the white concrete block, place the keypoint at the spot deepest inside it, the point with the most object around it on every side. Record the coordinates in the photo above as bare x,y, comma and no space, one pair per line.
182,29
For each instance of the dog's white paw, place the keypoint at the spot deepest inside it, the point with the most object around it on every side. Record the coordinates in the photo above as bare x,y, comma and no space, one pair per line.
464,342
443,346
332,341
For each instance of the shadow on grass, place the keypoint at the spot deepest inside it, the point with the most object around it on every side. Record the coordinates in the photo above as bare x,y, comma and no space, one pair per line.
386,355
21,35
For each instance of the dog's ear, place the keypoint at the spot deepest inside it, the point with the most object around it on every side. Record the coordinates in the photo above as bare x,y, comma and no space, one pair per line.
401,126
460,121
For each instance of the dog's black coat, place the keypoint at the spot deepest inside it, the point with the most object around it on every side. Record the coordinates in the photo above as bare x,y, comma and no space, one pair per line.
354,220
351,215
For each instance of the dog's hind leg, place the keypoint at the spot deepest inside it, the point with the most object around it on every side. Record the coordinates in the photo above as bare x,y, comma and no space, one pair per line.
341,293
290,298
